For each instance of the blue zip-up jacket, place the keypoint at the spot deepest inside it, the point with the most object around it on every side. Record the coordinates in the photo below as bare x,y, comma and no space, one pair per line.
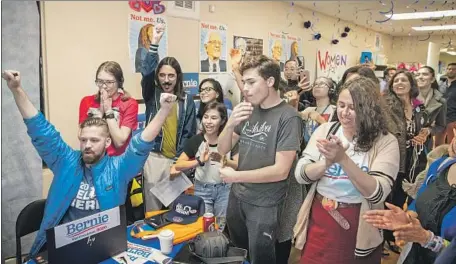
151,93
111,175
434,170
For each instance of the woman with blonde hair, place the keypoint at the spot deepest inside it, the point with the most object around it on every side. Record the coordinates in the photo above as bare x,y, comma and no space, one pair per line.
351,166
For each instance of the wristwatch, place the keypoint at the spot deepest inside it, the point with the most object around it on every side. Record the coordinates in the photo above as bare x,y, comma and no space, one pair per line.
109,116
199,161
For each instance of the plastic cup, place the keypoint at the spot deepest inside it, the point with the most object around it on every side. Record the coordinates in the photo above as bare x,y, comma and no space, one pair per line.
166,238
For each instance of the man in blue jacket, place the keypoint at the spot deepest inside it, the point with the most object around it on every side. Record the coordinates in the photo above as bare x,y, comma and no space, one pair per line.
158,78
85,181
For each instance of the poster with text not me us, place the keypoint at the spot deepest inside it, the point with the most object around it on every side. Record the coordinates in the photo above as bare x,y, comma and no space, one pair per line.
142,26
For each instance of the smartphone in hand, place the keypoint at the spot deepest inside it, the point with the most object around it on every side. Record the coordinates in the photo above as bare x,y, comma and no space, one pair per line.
304,74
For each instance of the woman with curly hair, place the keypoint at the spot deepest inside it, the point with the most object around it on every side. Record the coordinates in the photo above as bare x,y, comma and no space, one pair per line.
351,166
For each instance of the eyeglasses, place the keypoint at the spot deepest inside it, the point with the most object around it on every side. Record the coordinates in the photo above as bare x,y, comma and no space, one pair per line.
320,85
207,90
108,83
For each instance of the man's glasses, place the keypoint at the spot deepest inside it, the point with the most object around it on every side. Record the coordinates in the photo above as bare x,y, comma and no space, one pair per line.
206,90
100,83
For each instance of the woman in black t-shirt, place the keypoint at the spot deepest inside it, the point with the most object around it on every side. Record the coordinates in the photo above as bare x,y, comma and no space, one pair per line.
200,152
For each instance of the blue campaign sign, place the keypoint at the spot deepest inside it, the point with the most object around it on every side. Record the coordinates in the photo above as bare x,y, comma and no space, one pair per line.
191,82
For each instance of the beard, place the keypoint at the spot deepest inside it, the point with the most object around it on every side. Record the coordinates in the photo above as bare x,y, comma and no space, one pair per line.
91,158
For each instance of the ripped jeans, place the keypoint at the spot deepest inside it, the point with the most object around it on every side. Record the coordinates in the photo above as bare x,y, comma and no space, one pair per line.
254,228
215,198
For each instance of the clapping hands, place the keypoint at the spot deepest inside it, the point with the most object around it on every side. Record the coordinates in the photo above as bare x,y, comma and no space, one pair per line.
332,149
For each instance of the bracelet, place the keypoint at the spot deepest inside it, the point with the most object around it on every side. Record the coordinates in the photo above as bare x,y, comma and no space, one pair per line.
429,241
435,244
199,161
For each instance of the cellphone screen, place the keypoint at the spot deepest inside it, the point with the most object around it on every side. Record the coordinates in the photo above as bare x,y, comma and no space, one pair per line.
157,221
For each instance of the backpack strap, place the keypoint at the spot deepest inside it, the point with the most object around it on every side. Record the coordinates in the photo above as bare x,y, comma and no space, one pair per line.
333,129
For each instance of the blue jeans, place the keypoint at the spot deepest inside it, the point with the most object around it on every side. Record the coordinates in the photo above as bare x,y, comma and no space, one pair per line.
215,198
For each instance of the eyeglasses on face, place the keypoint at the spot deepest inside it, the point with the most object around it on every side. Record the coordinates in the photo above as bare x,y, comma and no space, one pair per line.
206,90
322,84
108,83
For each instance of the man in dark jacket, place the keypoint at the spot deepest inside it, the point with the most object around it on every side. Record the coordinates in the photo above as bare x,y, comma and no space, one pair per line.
158,78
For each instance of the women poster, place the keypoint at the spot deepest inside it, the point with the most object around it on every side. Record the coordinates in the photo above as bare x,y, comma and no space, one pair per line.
332,62
277,42
142,27
248,46
213,48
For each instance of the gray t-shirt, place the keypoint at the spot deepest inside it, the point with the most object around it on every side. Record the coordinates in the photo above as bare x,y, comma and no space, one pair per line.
266,132
85,203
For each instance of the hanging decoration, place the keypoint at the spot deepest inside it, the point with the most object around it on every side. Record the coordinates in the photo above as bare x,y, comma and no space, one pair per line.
356,37
428,37
307,24
353,45
391,12
345,33
317,36
289,13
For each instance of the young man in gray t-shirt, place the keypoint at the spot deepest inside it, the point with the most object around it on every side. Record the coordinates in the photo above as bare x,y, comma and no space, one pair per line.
268,132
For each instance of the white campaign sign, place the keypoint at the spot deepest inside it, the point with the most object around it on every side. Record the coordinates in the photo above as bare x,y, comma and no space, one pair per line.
138,254
87,226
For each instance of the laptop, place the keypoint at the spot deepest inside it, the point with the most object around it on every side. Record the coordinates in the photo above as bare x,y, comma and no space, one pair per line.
88,240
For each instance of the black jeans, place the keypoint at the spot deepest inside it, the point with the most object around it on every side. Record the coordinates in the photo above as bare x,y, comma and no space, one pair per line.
253,228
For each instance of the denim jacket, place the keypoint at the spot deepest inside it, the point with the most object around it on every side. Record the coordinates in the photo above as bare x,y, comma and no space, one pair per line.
151,92
111,174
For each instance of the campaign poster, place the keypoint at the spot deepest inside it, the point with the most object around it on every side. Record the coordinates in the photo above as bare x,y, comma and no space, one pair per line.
141,28
248,46
277,43
293,47
213,47
191,82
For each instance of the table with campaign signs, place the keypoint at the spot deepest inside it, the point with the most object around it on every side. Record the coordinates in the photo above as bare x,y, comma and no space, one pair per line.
152,243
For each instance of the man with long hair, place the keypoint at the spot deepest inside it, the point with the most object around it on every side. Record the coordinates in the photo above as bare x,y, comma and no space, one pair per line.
158,78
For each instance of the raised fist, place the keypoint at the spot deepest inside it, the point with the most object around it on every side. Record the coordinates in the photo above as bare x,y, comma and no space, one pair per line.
12,78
